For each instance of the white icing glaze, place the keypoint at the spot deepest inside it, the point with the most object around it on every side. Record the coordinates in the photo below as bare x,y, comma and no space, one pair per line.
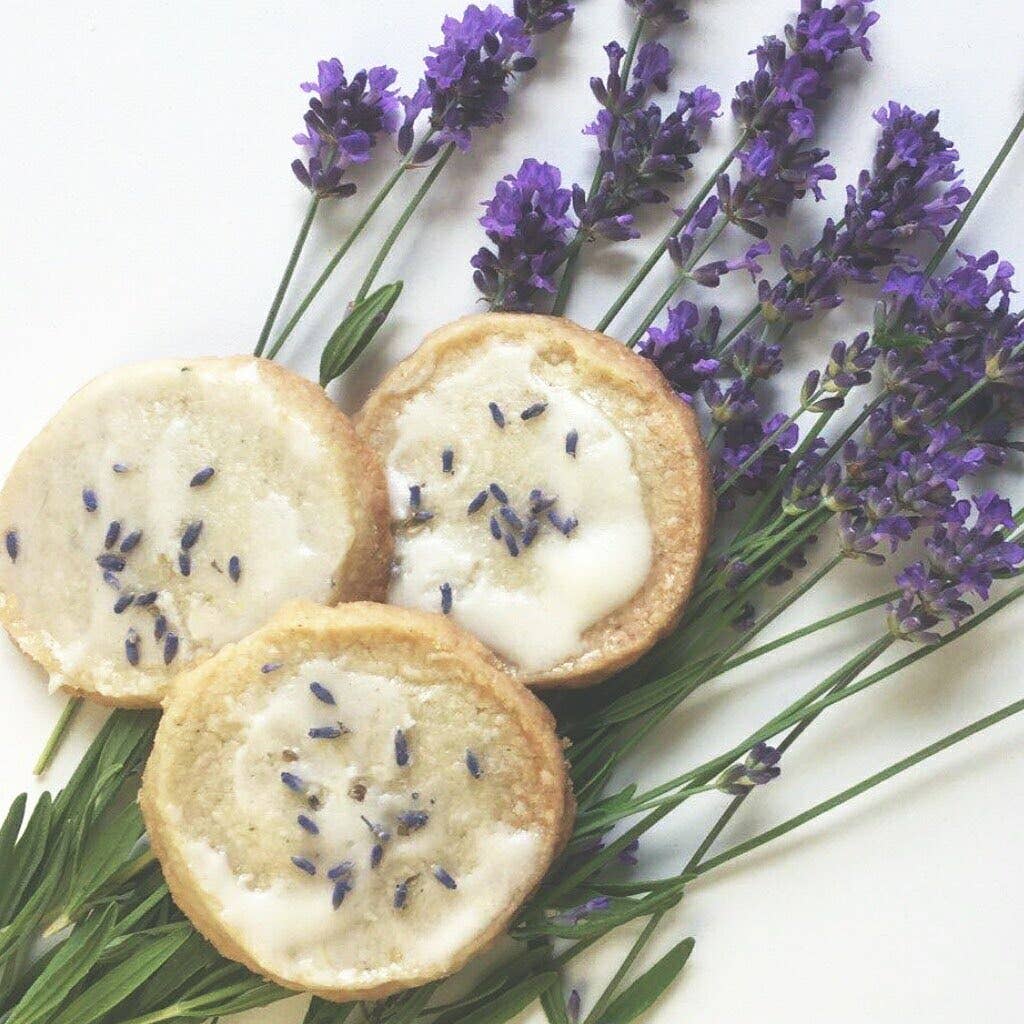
286,919
533,609
274,502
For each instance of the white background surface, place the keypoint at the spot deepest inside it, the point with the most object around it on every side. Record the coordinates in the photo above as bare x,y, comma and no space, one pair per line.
146,209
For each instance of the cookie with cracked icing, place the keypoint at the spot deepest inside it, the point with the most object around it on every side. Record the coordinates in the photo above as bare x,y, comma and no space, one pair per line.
548,491
354,800
170,508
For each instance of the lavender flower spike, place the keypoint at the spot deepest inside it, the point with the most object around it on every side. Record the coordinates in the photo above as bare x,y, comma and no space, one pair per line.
342,124
542,15
528,224
665,12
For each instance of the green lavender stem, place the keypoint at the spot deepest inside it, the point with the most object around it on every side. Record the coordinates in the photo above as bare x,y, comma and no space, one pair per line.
400,224
576,246
57,736
286,277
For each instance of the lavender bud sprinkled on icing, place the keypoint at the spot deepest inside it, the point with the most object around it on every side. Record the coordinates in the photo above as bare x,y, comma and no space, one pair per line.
123,603
159,627
447,461
145,600
113,532
378,830
131,541
473,765
508,513
184,563
304,864
201,477
530,533
322,693
401,749
293,782
170,647
111,580
446,598
539,501
512,545
234,568
115,563
498,491
271,666
496,414
191,534
376,855
89,500
412,821
571,440
307,823
341,889
422,515
120,467
401,895
565,525
342,870
495,528
574,1006
325,732
533,411
11,543
131,647
477,503
444,878
415,495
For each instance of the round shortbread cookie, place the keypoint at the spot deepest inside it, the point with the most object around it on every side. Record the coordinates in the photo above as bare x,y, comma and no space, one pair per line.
354,800
548,490
172,507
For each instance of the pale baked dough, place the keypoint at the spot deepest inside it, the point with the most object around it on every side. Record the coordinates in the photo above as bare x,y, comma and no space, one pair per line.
291,505
566,610
429,753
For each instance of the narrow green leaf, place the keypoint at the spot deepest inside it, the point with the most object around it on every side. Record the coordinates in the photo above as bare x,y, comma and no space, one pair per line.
77,956
117,836
552,1000
649,987
28,855
356,331
515,1000
9,832
601,922
412,1004
116,985
322,1012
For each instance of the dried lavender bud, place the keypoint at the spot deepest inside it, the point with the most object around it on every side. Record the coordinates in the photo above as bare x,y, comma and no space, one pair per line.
512,545
170,647
131,541
401,895
341,889
184,564
191,534
234,568
293,782
113,532
376,855
401,748
326,732
304,864
473,764
322,693
342,870
422,515
89,500
477,503
113,563
131,647
511,517
530,533
11,543
499,492
123,603
496,414
307,823
145,600
533,411
271,666
415,495
447,461
446,598
412,821
159,627
444,878
120,467
571,440
495,528
201,477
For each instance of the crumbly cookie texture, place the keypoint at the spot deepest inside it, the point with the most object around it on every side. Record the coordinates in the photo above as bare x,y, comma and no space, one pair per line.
170,508
354,800
549,492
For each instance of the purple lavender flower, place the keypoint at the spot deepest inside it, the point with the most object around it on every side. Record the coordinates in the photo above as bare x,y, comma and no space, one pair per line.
962,560
759,768
542,15
682,348
664,12
574,915
528,223
741,438
464,86
343,123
